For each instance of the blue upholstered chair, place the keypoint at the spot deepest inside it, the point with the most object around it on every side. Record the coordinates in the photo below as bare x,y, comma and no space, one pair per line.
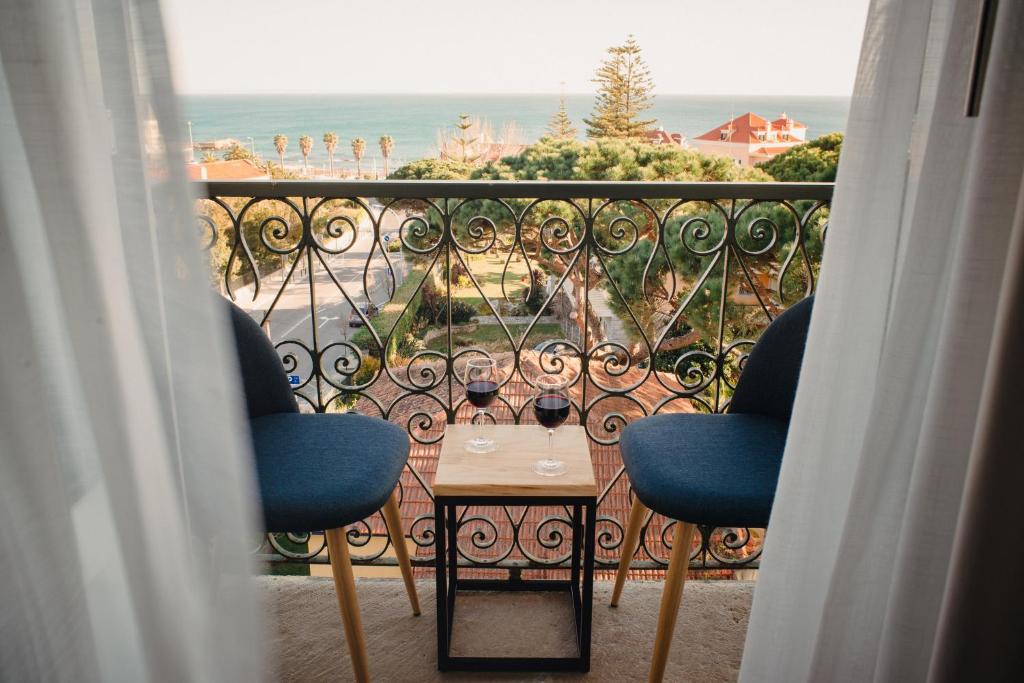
713,470
321,471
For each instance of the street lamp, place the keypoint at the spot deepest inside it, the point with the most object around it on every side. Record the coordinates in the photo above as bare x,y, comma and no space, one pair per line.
191,146
252,146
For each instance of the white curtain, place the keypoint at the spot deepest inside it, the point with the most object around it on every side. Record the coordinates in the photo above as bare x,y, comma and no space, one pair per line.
126,492
899,361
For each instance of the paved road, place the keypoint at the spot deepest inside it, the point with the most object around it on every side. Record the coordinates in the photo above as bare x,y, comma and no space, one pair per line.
292,318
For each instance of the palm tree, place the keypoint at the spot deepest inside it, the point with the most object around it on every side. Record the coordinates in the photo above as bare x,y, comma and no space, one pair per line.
305,146
358,147
330,142
387,143
280,144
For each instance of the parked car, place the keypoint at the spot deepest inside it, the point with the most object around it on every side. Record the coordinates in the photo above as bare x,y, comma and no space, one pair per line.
368,310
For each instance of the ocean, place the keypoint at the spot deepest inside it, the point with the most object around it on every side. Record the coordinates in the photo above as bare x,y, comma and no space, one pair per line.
414,120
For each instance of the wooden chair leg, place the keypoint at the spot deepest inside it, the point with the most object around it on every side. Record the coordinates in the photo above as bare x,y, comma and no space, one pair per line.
630,542
670,598
345,587
394,520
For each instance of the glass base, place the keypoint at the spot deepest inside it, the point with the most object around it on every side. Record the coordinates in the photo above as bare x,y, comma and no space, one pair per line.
550,468
481,445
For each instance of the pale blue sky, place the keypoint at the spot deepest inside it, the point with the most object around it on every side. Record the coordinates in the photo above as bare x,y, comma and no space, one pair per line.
753,47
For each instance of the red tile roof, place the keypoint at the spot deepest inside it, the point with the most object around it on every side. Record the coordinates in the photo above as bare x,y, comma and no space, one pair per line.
662,137
742,129
426,417
784,121
238,169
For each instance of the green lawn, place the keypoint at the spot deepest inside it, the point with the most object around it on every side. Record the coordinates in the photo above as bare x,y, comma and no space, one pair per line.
487,271
492,338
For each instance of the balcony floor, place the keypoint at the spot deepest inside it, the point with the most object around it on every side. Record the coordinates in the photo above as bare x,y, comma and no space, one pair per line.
309,644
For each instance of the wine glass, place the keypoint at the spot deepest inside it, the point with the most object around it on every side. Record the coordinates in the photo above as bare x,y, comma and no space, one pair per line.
551,406
481,379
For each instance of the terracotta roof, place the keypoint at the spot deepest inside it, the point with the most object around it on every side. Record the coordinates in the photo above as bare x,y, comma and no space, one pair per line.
238,169
743,129
662,137
425,416
784,121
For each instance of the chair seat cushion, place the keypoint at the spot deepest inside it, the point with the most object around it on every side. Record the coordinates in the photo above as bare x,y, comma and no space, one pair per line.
321,471
719,470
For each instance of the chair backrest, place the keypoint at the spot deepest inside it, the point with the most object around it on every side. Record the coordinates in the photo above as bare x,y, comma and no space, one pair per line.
263,378
767,385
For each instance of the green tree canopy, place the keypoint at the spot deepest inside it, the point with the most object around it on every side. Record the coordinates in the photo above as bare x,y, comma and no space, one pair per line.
624,92
237,152
560,127
552,159
433,169
814,161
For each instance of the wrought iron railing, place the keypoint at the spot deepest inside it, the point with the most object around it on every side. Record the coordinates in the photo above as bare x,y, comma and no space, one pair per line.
648,295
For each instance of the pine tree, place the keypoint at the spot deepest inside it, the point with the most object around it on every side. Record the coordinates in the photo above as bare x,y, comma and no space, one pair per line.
624,93
466,139
561,127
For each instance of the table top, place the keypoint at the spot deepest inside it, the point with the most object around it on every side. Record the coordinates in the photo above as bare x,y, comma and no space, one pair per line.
508,471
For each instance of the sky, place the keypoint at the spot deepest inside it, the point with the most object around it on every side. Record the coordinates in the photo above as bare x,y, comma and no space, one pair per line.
715,47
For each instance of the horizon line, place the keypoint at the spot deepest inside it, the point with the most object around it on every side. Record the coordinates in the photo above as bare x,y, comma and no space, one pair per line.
489,94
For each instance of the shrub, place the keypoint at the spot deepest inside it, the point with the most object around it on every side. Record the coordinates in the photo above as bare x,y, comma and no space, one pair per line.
410,345
461,312
366,371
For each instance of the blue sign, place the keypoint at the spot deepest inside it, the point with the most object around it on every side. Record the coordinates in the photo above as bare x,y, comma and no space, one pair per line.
294,379
387,238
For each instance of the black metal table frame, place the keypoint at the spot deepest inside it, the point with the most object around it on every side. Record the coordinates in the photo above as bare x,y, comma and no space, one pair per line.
581,593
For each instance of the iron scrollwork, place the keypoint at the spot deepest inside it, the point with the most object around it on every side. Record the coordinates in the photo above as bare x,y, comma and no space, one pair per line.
657,293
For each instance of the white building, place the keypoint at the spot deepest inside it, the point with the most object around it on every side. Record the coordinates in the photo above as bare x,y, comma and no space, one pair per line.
750,139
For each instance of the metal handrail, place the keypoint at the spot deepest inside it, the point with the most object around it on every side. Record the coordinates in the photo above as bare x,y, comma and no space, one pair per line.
513,189
745,236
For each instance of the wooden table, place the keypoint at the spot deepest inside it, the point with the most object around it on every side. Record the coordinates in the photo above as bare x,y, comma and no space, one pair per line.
506,477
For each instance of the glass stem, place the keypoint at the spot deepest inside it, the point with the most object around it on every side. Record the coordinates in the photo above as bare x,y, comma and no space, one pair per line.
551,445
480,413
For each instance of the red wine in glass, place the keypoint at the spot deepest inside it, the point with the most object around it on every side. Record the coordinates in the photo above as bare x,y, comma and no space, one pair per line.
551,410
551,407
482,383
481,393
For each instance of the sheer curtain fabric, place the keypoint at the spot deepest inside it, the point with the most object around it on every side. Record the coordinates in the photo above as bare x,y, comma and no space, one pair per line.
872,502
126,493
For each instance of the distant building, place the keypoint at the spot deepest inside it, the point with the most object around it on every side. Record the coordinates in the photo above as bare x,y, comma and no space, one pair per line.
750,139
239,169
216,145
661,137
